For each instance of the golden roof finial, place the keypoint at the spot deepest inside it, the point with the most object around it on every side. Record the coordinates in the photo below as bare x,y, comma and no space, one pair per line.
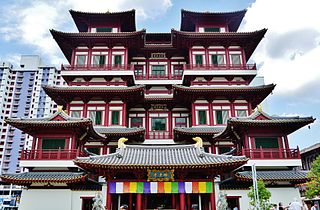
60,107
198,141
259,107
121,142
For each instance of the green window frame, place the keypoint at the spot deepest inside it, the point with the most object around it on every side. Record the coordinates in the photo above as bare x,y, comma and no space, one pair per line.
266,142
214,59
157,70
99,60
53,143
81,60
241,113
222,116
199,59
236,59
158,124
104,29
202,116
136,122
115,117
76,114
213,29
96,117
118,59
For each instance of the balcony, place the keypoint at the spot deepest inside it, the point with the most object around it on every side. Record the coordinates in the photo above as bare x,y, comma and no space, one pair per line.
106,67
51,154
158,77
159,135
220,67
271,153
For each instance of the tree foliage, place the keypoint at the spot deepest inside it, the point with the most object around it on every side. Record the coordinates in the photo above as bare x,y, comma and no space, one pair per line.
264,196
313,186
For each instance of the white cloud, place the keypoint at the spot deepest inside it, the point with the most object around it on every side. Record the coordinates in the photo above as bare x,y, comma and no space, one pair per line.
29,24
290,51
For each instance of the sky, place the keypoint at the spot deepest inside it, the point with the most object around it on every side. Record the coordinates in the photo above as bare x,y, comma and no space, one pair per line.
287,56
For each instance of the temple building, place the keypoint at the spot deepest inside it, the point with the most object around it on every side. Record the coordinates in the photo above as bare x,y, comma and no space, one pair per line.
157,120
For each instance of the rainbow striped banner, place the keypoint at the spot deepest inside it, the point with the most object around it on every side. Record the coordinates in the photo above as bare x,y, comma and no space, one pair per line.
160,187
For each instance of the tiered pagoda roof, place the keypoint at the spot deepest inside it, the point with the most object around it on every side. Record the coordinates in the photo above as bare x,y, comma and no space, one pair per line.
292,176
59,120
189,18
247,40
64,94
85,19
260,119
28,178
160,157
69,41
254,94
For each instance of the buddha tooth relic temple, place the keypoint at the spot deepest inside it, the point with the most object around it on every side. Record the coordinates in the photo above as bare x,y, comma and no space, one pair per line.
157,120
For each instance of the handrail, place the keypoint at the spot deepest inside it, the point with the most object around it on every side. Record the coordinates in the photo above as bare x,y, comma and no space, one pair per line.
277,153
94,67
220,67
51,154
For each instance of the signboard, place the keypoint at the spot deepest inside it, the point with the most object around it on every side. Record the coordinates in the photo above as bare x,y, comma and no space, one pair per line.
161,175
158,55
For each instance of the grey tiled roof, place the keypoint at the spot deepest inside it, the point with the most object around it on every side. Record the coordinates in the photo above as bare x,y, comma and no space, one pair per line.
202,130
118,130
164,156
270,119
289,175
44,177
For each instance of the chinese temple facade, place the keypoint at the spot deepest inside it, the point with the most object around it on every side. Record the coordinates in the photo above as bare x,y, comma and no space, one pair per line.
157,120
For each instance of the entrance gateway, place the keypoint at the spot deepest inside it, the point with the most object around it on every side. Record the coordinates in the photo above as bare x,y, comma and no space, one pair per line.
167,177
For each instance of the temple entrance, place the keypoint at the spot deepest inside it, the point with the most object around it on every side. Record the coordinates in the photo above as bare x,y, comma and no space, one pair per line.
160,201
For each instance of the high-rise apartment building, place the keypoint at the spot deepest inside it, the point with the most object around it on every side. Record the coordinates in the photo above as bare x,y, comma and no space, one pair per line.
21,96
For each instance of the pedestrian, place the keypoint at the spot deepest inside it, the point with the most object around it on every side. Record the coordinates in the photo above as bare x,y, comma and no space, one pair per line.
295,205
304,205
281,207
314,207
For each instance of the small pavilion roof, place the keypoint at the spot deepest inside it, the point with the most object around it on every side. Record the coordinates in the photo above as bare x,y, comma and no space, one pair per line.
160,157
64,94
59,120
185,134
255,94
293,176
260,119
135,134
44,177
84,19
69,41
232,19
247,40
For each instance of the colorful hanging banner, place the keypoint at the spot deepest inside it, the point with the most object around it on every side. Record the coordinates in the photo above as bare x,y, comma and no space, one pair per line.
160,187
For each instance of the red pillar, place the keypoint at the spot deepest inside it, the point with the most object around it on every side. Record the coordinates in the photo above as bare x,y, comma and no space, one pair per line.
193,114
210,113
173,201
182,201
124,114
85,109
139,201
188,201
130,201
213,198
108,197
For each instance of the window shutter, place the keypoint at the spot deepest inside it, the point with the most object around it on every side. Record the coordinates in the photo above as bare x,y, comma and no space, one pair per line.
98,117
219,116
115,118
199,60
214,59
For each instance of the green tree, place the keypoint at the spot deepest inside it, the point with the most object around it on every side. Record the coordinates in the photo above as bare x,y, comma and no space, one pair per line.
264,196
313,186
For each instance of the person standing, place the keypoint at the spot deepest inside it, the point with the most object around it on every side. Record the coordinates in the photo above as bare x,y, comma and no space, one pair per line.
314,207
295,205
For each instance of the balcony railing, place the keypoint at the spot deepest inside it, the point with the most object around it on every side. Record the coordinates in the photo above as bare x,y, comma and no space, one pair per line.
158,77
93,67
159,135
271,153
51,154
220,67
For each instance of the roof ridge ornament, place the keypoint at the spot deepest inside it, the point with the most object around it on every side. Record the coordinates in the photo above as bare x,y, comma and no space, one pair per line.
198,141
121,144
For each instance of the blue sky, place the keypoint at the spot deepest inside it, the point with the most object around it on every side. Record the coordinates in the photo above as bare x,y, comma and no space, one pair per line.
287,56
